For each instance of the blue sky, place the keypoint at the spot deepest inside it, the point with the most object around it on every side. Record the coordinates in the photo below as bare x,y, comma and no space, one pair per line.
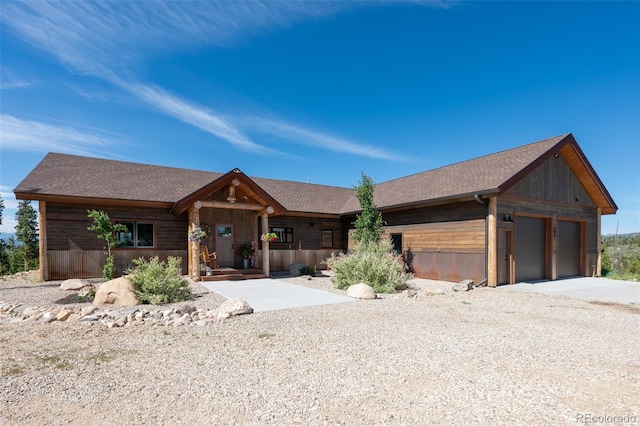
320,91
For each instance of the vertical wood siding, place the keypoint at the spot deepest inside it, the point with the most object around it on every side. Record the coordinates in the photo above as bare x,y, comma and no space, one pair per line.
65,264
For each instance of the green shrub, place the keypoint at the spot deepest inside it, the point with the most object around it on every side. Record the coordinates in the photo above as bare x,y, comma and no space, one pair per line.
158,282
372,263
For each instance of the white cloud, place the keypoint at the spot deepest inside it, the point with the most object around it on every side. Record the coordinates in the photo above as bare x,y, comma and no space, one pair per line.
108,39
301,135
7,84
29,135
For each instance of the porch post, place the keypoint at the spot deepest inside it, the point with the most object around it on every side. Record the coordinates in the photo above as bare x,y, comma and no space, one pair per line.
598,270
194,246
492,243
265,244
42,227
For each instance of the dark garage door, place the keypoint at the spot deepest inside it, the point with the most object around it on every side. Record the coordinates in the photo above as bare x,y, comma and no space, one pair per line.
530,248
569,249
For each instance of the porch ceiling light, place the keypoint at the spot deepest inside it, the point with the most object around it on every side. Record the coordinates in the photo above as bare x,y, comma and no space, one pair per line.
197,205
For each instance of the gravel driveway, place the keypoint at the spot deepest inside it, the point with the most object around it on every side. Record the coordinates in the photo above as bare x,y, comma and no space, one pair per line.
480,357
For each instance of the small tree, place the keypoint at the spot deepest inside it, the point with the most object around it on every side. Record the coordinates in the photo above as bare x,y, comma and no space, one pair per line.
27,230
3,248
107,232
369,224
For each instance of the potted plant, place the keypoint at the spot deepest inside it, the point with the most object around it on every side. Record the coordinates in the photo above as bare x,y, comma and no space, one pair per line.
197,234
269,237
245,253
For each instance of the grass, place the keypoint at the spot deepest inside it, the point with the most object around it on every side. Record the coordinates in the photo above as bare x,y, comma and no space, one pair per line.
265,335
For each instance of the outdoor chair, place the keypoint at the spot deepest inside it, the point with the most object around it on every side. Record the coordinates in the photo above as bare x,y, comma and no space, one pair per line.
209,259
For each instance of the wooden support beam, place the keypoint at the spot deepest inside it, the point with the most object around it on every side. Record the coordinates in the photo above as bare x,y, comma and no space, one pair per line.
194,246
555,230
492,243
42,226
265,245
598,271
234,206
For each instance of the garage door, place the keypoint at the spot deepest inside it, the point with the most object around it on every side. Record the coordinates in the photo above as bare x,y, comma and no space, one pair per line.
530,248
569,249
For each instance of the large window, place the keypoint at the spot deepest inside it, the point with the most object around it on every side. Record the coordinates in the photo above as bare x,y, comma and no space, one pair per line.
137,235
327,238
285,235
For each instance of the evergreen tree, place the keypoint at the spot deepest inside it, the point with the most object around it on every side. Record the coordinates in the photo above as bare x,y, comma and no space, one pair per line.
27,230
369,224
3,245
14,257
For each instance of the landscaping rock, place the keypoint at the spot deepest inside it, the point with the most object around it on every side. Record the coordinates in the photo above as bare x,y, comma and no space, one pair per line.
464,285
234,307
361,291
294,269
64,314
401,286
116,292
434,292
74,284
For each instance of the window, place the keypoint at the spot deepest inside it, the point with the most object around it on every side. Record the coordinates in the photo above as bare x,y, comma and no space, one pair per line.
327,238
137,235
285,235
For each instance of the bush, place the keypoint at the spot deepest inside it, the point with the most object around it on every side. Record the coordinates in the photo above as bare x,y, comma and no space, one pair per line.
158,282
372,263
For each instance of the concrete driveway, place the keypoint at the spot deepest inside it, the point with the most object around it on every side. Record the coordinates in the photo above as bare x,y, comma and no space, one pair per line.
600,289
269,295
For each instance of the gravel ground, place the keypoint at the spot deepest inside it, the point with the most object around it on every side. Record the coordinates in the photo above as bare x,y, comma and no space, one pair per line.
477,357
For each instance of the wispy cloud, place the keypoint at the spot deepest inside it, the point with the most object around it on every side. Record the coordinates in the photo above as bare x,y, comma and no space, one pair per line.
108,40
303,136
14,84
30,135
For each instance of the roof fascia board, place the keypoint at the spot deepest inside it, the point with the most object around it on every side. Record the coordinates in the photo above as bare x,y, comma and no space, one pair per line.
91,200
182,205
592,173
432,202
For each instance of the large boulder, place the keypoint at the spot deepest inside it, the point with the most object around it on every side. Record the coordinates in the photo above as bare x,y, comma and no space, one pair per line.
361,291
116,292
74,284
294,269
234,307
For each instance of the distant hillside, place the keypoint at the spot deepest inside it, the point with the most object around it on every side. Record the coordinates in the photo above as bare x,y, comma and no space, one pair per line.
621,256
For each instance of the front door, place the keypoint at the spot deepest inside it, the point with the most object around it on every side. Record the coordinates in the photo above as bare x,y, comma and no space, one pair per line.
504,257
224,245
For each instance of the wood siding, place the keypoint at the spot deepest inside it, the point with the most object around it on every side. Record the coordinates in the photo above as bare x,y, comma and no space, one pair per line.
68,223
452,212
553,180
307,232
279,260
450,251
65,264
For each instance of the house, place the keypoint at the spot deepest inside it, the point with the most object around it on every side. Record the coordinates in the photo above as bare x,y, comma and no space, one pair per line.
527,213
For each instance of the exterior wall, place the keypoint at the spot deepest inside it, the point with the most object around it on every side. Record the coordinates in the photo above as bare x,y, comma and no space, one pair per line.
307,232
75,252
443,242
554,192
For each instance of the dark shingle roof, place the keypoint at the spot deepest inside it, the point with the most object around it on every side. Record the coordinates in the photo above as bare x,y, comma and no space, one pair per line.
479,175
75,176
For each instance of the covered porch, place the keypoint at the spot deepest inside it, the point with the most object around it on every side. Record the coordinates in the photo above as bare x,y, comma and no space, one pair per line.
230,210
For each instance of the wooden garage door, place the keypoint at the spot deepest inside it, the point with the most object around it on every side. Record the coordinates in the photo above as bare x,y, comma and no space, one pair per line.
569,249
530,248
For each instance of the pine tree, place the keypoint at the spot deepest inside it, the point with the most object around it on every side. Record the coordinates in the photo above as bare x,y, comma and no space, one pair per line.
107,232
27,230
3,245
